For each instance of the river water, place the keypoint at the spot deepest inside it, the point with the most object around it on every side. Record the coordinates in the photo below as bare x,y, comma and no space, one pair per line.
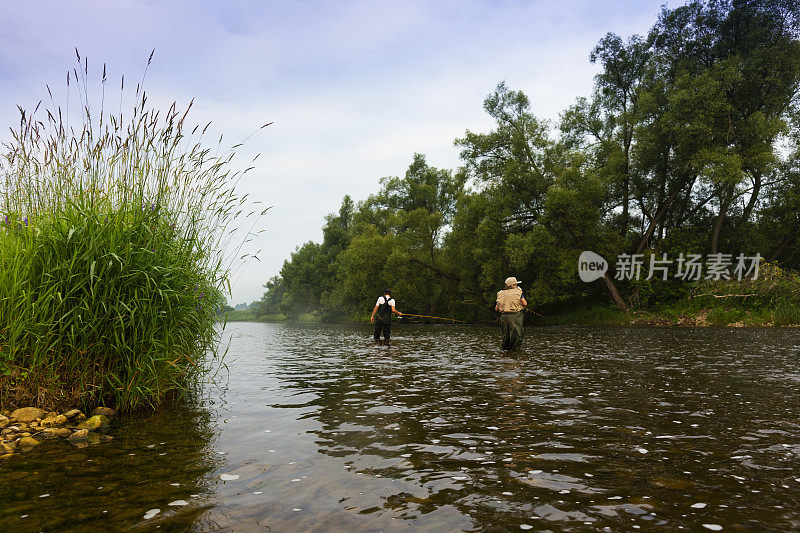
318,428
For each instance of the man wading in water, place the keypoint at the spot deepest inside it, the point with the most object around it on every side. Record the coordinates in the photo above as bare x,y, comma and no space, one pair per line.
384,307
510,303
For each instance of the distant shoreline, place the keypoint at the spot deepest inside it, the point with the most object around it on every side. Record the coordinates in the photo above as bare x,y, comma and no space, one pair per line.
598,315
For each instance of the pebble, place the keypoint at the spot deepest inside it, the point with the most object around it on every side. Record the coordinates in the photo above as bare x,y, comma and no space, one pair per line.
525,526
151,513
228,477
698,505
178,503
713,527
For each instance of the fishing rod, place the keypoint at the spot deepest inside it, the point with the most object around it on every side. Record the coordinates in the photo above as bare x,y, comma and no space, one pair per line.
439,317
492,307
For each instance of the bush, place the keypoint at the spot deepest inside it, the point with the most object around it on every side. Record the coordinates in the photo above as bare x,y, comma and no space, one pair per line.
112,262
775,287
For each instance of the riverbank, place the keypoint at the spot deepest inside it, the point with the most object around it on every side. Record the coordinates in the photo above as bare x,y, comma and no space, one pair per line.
675,316
680,314
771,299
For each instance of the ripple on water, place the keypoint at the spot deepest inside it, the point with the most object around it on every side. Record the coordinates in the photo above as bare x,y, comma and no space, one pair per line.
439,430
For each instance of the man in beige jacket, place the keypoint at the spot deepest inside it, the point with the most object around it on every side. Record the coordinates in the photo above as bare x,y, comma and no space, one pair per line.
510,303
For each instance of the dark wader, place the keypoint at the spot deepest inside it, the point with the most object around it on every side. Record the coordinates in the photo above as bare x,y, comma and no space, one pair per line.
383,320
512,330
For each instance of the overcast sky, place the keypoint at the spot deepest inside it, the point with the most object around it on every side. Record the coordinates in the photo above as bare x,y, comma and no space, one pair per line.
353,88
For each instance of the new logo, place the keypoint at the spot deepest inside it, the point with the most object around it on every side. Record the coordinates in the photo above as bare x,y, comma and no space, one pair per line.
591,266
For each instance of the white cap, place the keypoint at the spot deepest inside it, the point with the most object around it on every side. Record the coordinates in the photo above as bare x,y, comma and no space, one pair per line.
512,281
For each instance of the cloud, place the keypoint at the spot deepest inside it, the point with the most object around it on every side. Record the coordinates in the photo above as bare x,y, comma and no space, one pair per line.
354,87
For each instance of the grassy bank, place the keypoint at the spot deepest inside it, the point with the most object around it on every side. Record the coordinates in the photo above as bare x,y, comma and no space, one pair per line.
772,299
111,259
676,315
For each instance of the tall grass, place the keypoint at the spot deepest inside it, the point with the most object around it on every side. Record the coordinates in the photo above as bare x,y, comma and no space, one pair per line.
118,238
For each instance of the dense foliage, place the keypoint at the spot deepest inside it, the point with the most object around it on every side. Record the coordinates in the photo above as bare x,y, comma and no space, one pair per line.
111,257
688,144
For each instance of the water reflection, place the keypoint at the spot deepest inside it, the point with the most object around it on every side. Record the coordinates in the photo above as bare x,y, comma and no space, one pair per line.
319,428
154,460
617,428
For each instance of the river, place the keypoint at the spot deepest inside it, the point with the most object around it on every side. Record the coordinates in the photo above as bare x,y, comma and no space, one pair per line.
318,428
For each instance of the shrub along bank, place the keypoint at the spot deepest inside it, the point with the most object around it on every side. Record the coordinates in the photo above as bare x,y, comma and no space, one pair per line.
111,259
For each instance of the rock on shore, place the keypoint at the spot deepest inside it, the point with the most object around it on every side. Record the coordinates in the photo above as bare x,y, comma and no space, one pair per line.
25,428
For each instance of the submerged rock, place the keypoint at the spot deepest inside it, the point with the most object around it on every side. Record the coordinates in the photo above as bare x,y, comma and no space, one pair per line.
78,436
27,442
56,432
95,423
25,428
105,411
58,420
75,414
28,414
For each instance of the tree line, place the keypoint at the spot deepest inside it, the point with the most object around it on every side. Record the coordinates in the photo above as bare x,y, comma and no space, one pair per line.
688,143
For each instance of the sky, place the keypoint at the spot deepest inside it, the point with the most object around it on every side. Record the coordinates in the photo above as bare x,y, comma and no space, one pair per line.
353,88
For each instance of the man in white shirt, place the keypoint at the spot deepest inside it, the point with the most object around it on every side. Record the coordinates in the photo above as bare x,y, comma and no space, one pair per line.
384,308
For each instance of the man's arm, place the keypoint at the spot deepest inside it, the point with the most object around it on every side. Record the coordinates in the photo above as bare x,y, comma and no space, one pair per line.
372,318
523,300
395,311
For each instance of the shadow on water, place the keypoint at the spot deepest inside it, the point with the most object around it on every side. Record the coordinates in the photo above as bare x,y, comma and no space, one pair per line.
319,428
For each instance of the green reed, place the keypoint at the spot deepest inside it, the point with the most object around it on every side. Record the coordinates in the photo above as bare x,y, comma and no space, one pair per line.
118,239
